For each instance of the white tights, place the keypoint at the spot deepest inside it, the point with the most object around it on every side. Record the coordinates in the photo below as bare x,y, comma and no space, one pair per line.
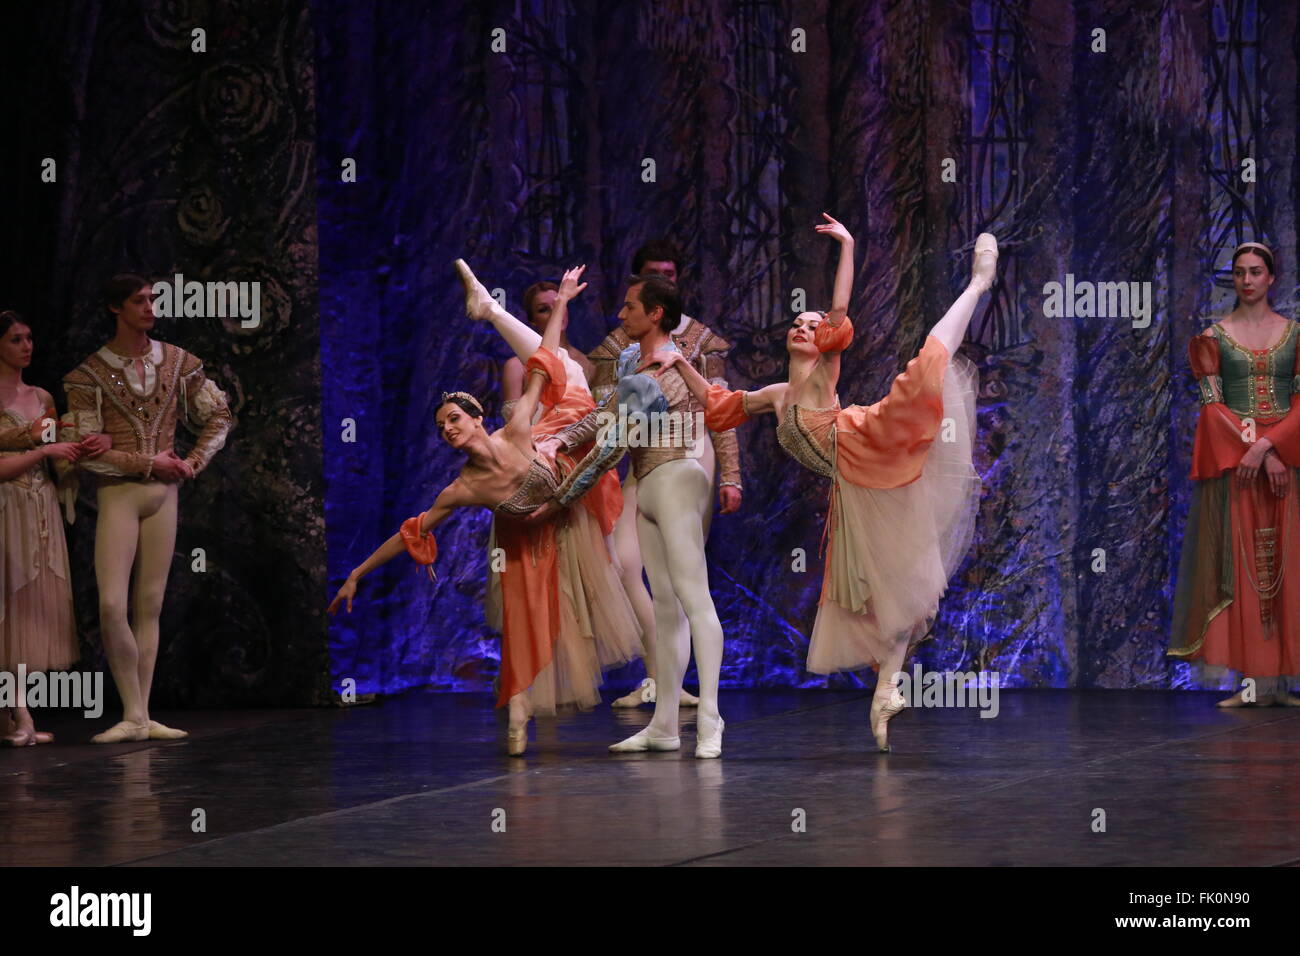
137,526
628,548
671,504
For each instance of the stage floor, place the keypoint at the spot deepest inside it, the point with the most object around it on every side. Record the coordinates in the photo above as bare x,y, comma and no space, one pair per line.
420,779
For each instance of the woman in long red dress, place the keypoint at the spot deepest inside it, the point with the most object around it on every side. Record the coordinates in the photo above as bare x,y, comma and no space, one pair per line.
566,617
1237,605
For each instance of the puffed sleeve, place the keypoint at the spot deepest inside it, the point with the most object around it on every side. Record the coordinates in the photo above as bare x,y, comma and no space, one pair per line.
1203,354
833,338
724,409
725,444
206,411
548,364
1220,435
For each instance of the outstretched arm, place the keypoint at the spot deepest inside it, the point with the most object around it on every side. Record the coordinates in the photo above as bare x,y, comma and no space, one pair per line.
451,497
843,289
519,428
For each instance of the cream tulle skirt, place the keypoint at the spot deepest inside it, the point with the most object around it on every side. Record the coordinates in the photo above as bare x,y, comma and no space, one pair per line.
892,550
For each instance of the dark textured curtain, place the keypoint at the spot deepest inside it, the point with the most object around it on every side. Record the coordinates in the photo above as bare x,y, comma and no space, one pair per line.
1106,156
170,160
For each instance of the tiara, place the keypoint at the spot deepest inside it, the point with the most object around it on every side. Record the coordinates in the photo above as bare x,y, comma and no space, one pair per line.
466,396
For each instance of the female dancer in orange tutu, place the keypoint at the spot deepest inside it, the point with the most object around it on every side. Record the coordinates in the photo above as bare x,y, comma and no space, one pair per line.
1237,606
902,507
565,615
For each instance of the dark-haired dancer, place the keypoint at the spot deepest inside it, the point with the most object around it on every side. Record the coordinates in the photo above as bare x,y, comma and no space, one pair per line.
673,494
565,617
707,352
37,628
136,388
902,503
1237,606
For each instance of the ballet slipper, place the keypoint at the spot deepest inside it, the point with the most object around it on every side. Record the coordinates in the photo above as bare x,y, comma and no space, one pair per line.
19,738
644,740
708,745
688,700
984,267
122,732
1286,700
883,709
517,739
159,731
478,301
44,738
517,728
643,693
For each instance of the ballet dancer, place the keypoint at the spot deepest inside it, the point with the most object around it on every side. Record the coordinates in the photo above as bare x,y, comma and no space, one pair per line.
565,618
136,388
673,495
902,505
37,626
707,351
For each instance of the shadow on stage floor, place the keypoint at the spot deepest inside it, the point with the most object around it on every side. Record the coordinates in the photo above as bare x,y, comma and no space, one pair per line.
420,779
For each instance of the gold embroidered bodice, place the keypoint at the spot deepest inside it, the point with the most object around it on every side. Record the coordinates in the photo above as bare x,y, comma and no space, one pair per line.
808,436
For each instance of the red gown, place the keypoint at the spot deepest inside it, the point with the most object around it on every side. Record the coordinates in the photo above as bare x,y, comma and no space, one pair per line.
1237,604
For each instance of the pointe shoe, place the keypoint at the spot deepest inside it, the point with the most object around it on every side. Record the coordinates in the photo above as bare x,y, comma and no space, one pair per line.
517,739
882,709
643,693
984,266
478,301
159,731
707,748
642,741
122,732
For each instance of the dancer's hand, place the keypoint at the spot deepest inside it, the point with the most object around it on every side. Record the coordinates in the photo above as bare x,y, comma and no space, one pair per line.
1279,475
549,445
65,450
833,228
95,445
541,514
667,358
569,287
729,499
347,592
169,468
1250,462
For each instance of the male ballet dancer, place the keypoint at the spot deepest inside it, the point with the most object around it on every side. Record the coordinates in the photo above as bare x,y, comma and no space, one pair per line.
673,499
135,388
706,351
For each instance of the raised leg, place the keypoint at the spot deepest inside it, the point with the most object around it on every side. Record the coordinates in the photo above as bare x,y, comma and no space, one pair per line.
951,329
